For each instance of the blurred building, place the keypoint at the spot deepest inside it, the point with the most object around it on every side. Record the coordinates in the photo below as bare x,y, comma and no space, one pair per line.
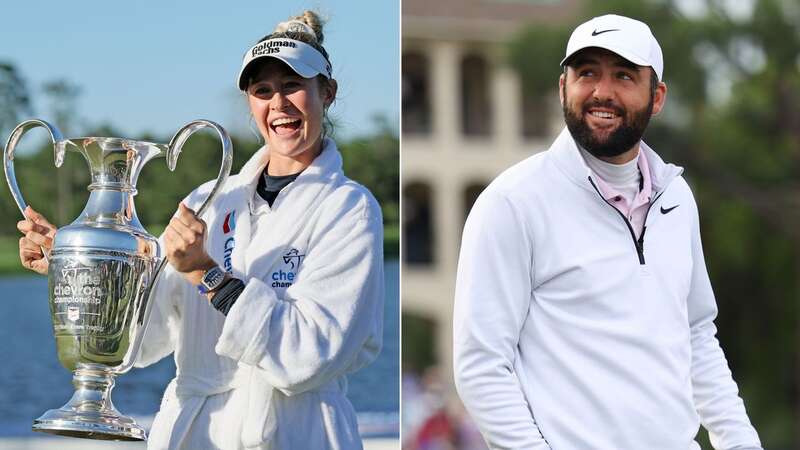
464,121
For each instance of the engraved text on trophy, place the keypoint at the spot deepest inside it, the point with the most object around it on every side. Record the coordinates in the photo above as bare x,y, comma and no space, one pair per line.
96,303
77,295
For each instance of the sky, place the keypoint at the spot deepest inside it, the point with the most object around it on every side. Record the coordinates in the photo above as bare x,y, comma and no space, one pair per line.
152,66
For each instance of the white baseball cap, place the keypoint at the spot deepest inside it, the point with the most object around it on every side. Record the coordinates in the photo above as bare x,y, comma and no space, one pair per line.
304,59
624,36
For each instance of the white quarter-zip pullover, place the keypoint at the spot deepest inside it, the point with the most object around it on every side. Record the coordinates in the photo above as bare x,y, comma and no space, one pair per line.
570,333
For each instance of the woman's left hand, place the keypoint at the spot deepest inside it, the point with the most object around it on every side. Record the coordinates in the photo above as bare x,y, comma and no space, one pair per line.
184,240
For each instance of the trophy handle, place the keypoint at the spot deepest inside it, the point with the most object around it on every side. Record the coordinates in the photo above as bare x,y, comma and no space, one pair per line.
180,138
173,150
59,148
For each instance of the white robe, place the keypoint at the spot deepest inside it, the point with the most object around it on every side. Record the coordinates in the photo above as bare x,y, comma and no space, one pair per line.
271,375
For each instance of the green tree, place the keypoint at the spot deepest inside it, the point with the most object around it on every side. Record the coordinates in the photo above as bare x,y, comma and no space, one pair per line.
63,97
374,161
15,99
15,106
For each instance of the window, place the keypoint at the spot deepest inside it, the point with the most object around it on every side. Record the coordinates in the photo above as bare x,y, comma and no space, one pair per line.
416,95
417,224
476,113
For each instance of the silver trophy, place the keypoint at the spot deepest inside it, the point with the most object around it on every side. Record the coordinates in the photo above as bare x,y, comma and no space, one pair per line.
102,269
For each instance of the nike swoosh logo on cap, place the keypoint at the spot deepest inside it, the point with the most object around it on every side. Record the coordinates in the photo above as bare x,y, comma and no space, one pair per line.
595,32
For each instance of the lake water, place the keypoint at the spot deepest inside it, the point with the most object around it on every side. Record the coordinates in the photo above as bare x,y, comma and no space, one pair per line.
33,380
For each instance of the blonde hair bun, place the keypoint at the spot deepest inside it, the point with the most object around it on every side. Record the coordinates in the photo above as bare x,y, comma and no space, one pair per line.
295,26
308,23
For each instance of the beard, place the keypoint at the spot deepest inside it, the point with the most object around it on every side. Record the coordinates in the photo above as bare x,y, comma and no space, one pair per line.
618,141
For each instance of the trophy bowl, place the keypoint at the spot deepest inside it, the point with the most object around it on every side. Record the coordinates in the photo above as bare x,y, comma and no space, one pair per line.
102,269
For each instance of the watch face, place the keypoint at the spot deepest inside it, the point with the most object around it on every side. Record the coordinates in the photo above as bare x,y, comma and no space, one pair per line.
212,278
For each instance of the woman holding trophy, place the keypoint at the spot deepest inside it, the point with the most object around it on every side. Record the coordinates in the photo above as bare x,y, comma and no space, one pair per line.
277,295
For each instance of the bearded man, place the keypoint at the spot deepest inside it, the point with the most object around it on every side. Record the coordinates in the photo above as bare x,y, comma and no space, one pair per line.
584,315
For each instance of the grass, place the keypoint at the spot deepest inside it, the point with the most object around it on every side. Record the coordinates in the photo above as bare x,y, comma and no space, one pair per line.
9,256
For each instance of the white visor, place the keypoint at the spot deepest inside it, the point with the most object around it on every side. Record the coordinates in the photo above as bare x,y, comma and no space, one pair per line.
304,59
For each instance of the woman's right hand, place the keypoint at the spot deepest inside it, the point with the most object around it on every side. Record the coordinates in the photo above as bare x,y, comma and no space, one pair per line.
39,233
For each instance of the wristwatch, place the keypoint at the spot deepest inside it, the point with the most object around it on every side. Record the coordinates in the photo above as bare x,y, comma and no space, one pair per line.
212,279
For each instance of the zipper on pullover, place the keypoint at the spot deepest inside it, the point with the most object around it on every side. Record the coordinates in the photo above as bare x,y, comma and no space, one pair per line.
638,243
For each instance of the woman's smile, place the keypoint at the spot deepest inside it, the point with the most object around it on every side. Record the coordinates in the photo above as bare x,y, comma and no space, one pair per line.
286,126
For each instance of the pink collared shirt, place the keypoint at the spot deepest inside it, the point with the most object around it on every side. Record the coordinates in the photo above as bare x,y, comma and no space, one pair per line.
635,211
